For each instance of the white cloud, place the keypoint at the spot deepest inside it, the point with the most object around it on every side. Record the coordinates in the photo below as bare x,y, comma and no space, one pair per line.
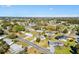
50,9
6,6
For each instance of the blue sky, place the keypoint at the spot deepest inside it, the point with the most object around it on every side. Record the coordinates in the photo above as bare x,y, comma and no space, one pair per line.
39,10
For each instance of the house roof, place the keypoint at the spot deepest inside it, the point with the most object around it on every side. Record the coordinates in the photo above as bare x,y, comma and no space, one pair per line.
28,34
16,48
8,41
55,43
3,36
61,37
42,37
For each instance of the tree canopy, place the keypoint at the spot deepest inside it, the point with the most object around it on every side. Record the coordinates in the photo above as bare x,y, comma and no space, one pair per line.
3,47
17,28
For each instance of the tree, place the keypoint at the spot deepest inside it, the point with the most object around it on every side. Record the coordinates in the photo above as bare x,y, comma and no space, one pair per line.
3,47
12,36
38,40
65,31
18,28
15,40
77,29
75,49
5,24
1,32
77,46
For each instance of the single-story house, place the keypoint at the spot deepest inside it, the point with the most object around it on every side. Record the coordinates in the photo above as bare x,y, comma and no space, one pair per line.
8,41
77,38
50,33
40,31
55,43
32,24
28,34
42,37
2,36
15,48
64,38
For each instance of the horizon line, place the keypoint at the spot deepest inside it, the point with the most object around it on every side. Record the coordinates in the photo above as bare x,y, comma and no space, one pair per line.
46,16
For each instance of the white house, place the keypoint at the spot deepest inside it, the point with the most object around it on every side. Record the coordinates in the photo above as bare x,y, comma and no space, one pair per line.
28,34
40,31
42,37
32,24
8,41
15,48
2,36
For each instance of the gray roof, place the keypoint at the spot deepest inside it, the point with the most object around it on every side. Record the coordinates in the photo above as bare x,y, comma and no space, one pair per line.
8,41
3,36
55,43
15,48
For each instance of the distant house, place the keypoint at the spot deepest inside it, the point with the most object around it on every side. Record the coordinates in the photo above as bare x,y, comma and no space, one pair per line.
50,33
77,38
30,29
40,31
8,27
15,48
22,32
55,43
28,34
32,24
42,37
12,23
8,41
2,36
64,38
18,23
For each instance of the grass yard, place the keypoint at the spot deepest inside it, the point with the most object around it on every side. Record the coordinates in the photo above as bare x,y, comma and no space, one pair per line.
43,43
32,51
22,43
29,38
62,50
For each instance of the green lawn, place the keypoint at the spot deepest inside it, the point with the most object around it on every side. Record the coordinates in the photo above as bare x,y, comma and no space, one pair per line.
22,43
63,49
